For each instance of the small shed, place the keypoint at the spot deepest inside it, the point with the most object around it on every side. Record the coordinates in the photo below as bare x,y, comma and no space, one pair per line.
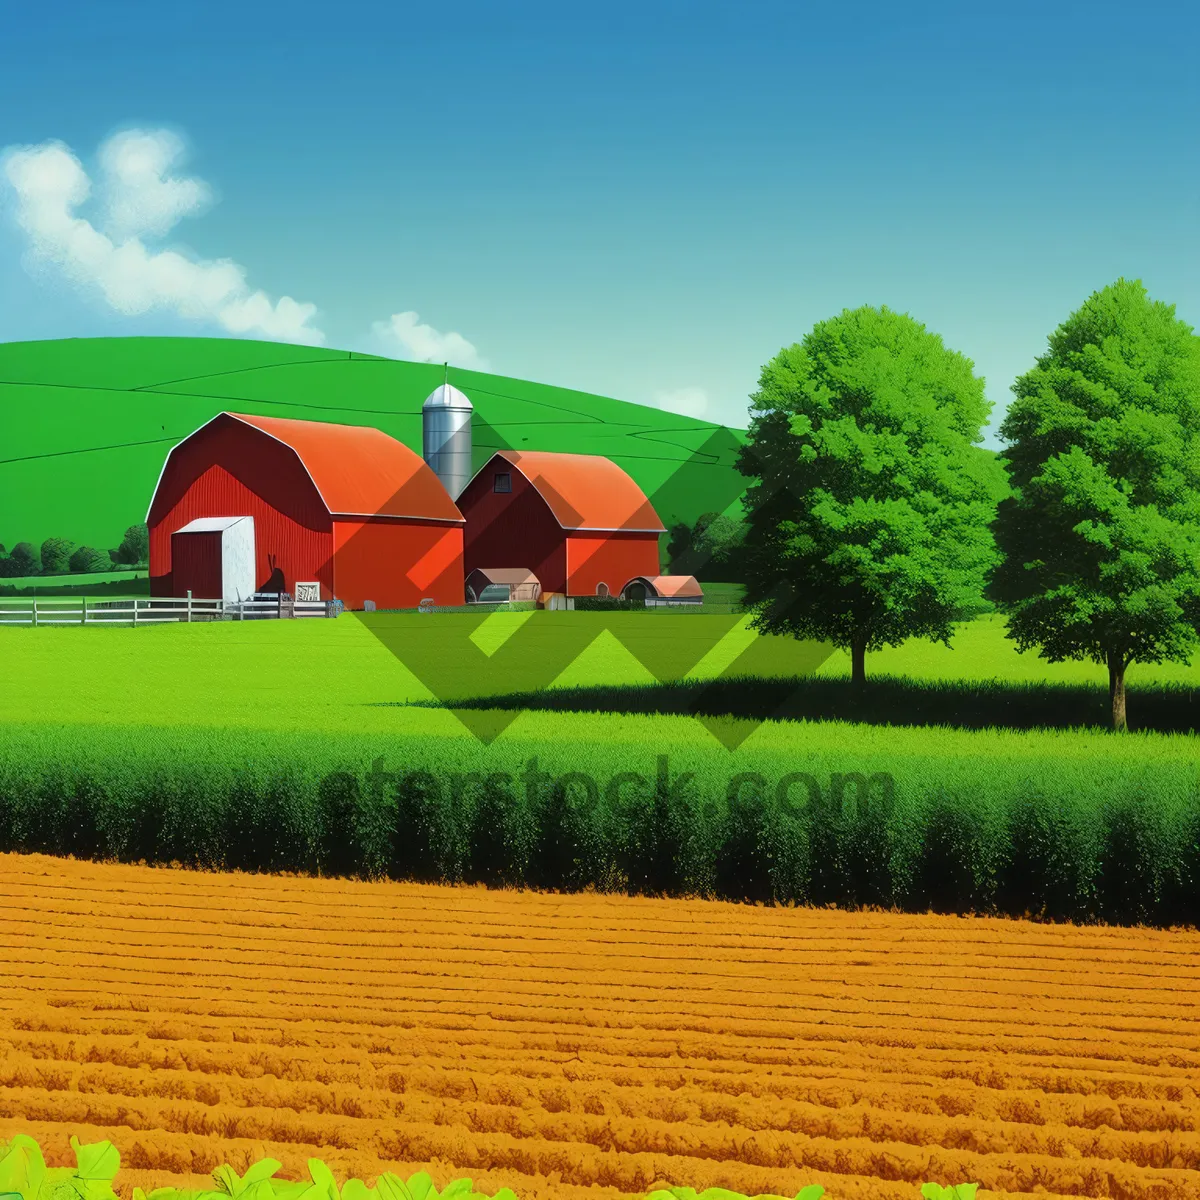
658,590
213,558
497,585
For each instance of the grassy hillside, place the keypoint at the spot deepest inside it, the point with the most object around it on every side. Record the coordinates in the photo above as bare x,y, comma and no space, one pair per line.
86,423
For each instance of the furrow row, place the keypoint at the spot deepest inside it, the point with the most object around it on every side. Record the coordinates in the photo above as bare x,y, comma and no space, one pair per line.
682,1152
348,1061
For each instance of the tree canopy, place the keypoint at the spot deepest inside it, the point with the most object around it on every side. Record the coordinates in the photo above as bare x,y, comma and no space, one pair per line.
710,549
1100,539
24,558
870,500
134,547
55,555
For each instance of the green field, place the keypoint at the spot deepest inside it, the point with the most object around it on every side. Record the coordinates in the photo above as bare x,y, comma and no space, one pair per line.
239,743
339,677
96,585
88,422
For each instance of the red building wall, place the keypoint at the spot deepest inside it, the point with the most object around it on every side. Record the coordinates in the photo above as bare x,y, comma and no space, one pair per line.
611,558
229,469
512,529
397,563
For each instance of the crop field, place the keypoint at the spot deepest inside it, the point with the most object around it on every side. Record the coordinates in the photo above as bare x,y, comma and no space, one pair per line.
589,1045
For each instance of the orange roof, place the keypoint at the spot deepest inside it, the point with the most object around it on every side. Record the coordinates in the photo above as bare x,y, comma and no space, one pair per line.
673,586
586,491
359,470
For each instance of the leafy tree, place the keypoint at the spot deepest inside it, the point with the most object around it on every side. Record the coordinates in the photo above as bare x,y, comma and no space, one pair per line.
55,556
870,503
719,545
24,558
685,551
1101,537
708,549
135,546
86,559
679,547
8,568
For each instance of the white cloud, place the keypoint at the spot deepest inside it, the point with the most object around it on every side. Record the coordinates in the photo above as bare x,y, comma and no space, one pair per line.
403,335
688,401
140,201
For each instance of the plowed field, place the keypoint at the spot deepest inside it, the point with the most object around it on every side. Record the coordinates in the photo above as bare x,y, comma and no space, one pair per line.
589,1045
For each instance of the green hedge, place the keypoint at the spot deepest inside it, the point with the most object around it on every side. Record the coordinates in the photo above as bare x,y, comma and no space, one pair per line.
986,836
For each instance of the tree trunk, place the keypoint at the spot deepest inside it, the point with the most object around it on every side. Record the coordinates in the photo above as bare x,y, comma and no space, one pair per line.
1116,690
858,662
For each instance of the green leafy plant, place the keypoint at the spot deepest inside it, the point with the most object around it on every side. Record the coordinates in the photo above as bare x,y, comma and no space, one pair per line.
23,1173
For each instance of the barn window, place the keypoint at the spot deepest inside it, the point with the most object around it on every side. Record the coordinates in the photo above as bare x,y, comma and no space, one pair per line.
602,589
503,482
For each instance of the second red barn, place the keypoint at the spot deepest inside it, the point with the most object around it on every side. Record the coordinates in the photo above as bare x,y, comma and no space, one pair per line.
577,521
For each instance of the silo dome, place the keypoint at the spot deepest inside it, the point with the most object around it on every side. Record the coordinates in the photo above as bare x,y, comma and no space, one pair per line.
446,430
446,395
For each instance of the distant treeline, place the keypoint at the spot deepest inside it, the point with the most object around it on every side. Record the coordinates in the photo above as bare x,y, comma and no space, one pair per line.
61,556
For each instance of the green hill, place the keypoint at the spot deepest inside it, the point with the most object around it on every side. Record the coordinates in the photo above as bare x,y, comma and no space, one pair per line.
85,423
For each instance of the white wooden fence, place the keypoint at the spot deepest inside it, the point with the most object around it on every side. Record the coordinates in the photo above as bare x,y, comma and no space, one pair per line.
156,610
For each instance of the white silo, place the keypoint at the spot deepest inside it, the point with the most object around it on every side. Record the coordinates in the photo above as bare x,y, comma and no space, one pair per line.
446,425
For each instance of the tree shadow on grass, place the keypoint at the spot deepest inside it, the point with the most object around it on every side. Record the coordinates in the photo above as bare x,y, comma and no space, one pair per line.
1167,708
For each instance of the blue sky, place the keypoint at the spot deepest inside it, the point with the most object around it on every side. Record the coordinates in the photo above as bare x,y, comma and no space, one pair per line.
645,200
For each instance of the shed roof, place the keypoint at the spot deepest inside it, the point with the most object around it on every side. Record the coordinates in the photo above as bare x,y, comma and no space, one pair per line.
672,587
585,491
211,524
358,471
506,575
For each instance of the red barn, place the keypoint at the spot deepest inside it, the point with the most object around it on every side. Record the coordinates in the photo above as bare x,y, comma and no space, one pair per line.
342,505
576,521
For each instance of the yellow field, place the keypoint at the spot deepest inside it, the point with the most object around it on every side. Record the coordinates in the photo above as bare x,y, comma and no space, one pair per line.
589,1045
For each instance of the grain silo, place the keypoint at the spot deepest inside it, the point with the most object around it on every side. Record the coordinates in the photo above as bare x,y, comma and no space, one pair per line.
446,428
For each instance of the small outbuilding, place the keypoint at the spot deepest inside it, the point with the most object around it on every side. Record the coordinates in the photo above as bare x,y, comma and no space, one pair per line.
344,505
498,585
215,557
582,525
657,590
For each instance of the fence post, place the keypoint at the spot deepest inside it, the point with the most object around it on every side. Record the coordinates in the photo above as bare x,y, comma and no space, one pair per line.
135,611
189,606
35,610
83,615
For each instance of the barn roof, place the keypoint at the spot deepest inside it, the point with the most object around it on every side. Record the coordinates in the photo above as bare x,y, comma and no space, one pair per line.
358,471
586,491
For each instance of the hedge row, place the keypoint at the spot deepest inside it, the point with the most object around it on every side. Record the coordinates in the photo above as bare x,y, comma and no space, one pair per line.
851,839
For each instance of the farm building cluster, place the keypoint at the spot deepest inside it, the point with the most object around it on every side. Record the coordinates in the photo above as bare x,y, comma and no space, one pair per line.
250,504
